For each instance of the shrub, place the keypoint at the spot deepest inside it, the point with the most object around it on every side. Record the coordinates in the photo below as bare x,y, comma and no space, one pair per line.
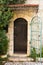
3,42
33,54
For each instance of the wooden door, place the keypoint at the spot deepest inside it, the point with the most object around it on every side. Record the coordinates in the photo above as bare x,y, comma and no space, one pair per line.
20,36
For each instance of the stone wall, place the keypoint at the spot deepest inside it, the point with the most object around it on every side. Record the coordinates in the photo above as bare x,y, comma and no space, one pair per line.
27,15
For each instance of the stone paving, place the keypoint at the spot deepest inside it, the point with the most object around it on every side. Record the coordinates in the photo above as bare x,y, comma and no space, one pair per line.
23,63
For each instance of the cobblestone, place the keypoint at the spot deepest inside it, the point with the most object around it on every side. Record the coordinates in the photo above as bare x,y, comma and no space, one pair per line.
23,63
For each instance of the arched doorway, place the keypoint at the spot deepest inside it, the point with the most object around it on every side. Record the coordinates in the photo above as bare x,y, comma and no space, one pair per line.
20,36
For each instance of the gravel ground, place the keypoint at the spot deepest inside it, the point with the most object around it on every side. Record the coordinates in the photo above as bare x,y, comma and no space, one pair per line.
23,63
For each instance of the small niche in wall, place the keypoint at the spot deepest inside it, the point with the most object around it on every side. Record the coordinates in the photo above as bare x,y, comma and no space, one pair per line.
6,28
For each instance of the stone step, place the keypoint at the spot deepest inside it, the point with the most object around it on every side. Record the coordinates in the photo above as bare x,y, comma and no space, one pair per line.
20,59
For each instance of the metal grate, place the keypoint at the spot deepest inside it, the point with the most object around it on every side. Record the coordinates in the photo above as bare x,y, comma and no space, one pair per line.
36,35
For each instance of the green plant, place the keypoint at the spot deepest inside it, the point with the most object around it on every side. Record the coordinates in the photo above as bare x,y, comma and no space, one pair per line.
3,59
38,55
12,1
3,42
33,54
5,16
1,63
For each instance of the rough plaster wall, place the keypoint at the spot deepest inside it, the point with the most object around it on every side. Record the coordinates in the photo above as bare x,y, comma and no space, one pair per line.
40,11
32,1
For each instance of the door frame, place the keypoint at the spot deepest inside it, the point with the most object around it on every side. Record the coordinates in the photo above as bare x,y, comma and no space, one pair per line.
10,36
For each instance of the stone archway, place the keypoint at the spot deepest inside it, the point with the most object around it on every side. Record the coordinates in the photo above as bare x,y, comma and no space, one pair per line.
27,15
11,37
